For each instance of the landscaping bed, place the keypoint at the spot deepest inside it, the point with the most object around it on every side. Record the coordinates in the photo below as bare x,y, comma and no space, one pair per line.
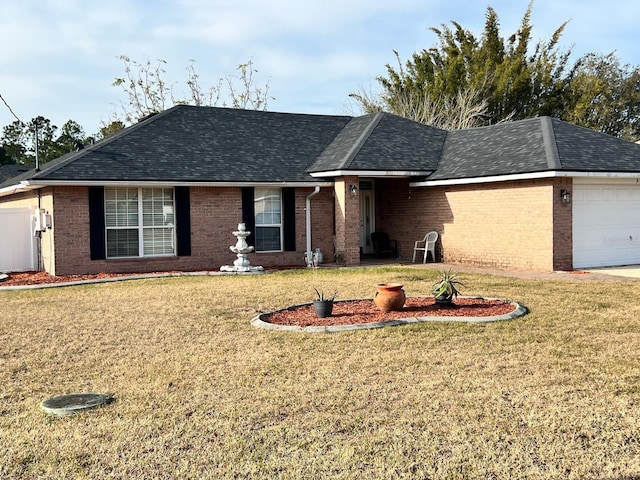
353,312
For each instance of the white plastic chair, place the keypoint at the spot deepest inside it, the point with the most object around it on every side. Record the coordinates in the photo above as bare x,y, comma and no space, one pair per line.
426,245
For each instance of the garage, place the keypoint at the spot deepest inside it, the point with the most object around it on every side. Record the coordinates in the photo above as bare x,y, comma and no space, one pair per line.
606,224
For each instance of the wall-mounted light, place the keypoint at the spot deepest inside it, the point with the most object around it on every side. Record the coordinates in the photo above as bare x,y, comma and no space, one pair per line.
353,190
565,196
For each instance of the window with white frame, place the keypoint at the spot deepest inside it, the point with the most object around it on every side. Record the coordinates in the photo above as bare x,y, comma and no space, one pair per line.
139,222
268,211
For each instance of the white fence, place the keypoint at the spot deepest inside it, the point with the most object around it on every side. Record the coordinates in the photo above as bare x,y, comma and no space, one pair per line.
17,243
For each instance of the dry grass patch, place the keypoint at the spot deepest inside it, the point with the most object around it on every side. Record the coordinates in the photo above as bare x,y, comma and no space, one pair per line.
202,394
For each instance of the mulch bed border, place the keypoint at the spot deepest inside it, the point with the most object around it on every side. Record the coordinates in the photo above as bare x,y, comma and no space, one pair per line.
258,322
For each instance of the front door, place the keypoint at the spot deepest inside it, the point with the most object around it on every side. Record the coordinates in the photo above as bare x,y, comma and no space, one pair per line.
367,218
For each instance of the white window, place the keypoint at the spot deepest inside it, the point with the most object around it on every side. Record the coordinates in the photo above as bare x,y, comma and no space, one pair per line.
268,210
139,222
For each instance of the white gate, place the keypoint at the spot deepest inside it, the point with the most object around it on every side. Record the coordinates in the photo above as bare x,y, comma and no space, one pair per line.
17,243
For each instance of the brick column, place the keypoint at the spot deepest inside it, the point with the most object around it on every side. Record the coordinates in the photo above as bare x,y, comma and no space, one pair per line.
562,226
347,220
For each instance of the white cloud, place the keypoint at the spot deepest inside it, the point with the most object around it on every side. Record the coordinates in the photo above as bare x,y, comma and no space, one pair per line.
60,56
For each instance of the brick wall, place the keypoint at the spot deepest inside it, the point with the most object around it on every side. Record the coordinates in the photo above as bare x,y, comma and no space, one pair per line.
347,208
505,225
215,213
562,226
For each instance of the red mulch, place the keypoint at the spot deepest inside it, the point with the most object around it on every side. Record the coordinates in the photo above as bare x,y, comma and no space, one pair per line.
364,311
37,278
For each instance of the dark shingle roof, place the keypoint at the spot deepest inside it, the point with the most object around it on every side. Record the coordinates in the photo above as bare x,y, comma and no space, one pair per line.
514,147
533,145
12,170
207,144
400,144
381,142
581,149
340,152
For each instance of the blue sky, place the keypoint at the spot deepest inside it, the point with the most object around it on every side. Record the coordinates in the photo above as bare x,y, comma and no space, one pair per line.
60,57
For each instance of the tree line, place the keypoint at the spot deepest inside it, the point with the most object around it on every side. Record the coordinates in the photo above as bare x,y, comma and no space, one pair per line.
147,91
463,81
468,81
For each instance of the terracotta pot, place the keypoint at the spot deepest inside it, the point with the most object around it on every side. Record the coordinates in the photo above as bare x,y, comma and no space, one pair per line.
389,296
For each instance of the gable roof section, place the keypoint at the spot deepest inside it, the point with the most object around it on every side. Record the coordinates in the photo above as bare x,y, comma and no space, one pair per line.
204,144
382,142
532,146
583,150
504,149
210,145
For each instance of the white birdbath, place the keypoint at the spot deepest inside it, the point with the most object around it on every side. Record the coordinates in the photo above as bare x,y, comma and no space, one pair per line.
241,249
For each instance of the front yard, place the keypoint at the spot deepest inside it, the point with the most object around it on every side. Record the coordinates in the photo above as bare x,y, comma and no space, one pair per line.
202,394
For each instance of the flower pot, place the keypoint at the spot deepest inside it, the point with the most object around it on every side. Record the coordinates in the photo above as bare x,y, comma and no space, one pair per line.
444,300
389,296
323,308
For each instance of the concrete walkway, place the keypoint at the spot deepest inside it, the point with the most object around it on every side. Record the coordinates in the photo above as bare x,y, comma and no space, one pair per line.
630,272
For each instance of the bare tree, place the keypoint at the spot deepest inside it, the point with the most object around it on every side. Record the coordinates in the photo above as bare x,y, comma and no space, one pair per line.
148,92
466,110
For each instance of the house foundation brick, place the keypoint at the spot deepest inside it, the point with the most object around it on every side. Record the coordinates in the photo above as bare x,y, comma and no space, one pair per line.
215,214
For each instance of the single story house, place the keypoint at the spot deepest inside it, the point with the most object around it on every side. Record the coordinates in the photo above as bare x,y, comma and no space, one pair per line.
166,193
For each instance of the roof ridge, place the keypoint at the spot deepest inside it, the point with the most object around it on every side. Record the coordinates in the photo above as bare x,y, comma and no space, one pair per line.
550,144
359,143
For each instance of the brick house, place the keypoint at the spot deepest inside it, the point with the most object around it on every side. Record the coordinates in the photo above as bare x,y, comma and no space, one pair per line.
166,193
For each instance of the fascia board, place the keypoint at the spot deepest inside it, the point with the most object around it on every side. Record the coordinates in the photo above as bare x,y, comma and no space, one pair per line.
17,188
372,173
125,183
524,176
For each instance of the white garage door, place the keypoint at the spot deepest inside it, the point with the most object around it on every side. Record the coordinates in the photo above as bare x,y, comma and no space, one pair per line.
606,225
17,243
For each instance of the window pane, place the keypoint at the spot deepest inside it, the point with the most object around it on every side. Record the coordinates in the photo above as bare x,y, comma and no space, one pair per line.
268,210
158,241
267,206
121,207
122,243
122,211
157,207
268,239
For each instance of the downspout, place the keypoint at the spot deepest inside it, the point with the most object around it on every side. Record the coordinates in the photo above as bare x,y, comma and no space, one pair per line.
38,234
309,256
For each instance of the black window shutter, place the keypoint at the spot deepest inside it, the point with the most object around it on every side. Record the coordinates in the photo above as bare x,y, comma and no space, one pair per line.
249,213
289,218
183,221
97,231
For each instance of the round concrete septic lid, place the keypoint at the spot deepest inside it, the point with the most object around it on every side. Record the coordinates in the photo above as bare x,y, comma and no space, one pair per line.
74,402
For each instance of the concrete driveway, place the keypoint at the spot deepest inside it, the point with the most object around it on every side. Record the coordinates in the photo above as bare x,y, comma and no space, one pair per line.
629,271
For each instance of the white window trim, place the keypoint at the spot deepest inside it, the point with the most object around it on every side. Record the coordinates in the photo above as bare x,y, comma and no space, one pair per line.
271,225
140,227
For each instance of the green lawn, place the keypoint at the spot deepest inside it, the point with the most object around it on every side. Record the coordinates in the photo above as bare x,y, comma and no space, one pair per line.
202,394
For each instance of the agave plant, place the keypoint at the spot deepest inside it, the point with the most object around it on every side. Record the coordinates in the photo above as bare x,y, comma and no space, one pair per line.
323,297
446,288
